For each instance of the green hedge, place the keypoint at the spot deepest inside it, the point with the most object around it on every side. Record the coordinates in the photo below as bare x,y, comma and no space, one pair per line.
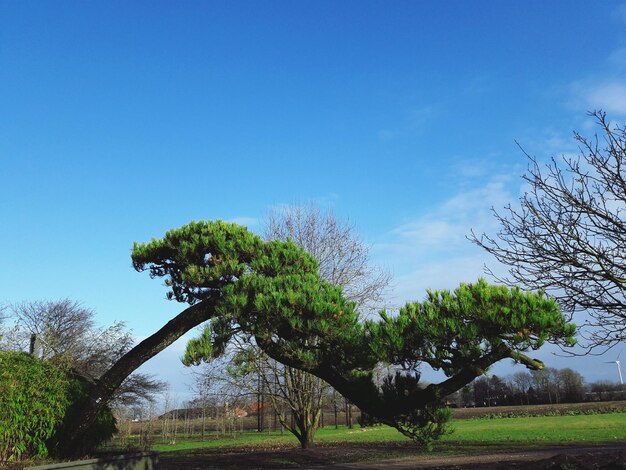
37,400
33,401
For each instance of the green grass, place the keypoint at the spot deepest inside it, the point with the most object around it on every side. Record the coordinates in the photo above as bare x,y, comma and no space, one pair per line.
467,434
542,430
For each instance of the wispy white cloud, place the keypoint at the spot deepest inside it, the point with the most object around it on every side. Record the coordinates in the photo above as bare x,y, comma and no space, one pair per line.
419,116
433,251
617,58
445,273
445,227
606,88
479,168
388,134
481,82
609,96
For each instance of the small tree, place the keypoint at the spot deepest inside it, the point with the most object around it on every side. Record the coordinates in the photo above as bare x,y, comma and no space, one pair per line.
295,396
569,234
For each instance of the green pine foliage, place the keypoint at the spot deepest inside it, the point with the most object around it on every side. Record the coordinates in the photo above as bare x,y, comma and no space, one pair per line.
198,259
450,330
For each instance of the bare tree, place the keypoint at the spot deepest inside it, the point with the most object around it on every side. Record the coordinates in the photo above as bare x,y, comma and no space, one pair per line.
296,396
343,258
60,326
3,317
571,385
201,389
569,234
68,336
11,339
521,382
546,384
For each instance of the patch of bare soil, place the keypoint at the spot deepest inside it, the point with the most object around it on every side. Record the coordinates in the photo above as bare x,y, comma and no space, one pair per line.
397,457
282,457
558,458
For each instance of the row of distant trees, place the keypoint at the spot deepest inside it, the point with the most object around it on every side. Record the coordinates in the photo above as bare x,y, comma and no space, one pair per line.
546,386
222,412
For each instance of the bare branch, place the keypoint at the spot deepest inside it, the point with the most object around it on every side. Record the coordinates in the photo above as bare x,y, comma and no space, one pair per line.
568,235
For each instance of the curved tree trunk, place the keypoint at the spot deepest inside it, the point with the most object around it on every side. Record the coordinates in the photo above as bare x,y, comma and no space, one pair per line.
362,392
72,444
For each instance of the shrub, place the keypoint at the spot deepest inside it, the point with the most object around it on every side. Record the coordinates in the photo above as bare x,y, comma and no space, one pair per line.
426,426
33,402
37,400
423,426
100,431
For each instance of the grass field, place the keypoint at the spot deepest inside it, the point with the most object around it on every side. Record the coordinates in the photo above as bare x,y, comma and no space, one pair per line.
541,430
497,433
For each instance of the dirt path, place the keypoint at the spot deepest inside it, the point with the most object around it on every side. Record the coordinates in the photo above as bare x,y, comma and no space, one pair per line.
396,457
611,456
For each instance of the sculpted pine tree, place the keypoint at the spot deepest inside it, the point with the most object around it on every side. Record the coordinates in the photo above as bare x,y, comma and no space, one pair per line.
272,291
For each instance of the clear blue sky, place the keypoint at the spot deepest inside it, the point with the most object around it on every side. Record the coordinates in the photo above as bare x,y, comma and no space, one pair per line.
120,120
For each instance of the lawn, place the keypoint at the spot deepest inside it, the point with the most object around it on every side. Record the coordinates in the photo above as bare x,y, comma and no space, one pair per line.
472,433
541,430
498,436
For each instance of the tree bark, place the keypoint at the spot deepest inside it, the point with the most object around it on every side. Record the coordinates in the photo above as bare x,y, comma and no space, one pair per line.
306,439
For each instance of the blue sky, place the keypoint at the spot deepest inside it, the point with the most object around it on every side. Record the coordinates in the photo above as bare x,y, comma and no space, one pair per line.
121,120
